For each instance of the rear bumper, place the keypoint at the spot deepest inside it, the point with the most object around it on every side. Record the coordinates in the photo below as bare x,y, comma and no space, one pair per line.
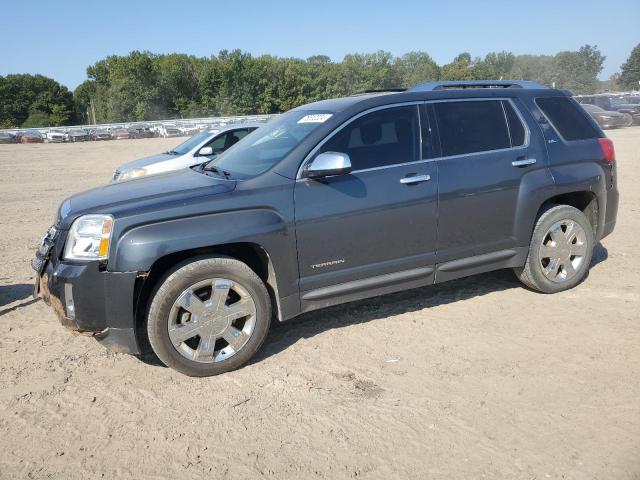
611,205
92,302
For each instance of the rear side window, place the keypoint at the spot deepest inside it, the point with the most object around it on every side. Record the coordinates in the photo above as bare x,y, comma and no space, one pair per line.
384,137
568,118
516,129
471,126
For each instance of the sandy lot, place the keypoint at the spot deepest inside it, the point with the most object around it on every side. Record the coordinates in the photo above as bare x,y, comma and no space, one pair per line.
477,378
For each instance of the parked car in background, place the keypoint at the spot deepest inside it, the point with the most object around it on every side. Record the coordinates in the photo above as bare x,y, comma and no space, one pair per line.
189,131
77,135
608,118
613,103
99,134
625,98
198,149
7,138
142,131
31,136
121,134
168,132
55,136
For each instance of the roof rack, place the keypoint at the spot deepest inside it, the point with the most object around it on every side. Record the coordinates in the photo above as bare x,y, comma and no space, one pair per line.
383,90
444,85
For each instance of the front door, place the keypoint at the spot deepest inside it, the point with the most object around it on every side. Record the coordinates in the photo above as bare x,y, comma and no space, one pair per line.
377,223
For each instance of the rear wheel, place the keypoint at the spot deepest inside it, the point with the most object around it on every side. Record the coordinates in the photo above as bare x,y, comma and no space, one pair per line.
209,316
560,251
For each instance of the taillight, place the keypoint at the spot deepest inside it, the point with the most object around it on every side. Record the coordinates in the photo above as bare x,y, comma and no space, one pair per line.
607,150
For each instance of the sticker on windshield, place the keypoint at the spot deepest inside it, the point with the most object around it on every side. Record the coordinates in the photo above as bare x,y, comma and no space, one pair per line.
316,118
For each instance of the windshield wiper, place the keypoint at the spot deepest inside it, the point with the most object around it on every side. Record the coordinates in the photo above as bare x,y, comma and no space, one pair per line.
219,171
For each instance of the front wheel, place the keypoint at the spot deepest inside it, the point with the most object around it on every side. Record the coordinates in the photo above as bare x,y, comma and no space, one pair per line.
209,316
560,251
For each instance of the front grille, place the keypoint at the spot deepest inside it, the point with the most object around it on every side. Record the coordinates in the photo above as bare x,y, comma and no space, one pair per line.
44,250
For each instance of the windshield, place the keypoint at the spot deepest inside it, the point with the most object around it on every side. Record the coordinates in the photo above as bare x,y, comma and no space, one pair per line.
266,146
190,144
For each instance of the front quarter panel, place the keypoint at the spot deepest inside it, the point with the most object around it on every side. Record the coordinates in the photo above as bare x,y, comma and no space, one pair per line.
256,214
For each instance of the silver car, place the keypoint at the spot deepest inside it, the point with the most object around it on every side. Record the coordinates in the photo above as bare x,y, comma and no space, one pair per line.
198,149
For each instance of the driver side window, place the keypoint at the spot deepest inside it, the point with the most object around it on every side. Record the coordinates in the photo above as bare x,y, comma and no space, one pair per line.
385,137
226,140
218,144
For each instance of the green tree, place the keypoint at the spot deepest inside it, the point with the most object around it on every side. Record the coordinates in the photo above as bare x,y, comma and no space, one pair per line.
612,84
22,96
82,98
464,67
370,71
415,67
630,74
37,119
537,68
499,65
578,71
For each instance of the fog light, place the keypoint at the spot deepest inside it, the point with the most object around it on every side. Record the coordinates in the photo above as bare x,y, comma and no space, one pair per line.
68,301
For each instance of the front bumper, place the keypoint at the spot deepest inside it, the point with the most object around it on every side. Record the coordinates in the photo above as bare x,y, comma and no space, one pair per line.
91,301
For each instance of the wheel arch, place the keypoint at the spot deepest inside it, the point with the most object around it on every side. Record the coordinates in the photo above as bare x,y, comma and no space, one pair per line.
584,200
252,254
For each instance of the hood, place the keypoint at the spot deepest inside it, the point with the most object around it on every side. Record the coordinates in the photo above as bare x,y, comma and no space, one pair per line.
609,113
144,193
143,162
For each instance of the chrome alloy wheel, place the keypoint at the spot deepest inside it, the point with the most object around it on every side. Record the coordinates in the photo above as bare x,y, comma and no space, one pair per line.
563,249
212,320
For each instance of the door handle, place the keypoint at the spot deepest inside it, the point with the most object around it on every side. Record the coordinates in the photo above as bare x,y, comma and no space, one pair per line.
415,179
523,162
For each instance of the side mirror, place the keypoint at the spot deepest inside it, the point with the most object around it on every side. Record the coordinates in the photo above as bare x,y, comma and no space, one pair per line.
205,152
327,164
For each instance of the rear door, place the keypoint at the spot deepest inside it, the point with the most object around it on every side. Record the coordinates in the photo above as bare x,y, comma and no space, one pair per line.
485,151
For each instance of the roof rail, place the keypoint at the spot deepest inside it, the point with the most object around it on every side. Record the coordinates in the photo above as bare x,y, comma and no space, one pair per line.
382,90
444,85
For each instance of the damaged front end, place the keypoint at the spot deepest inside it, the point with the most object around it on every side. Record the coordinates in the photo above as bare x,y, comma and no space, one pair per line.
86,298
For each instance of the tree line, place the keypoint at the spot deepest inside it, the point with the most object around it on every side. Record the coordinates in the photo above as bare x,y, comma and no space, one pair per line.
147,86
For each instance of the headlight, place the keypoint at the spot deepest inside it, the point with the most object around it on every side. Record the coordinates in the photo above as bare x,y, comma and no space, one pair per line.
133,173
89,237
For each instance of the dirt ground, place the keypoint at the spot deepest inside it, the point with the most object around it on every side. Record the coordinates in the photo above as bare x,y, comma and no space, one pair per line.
477,378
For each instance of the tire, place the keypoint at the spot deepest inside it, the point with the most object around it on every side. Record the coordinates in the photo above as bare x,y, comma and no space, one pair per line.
553,266
184,303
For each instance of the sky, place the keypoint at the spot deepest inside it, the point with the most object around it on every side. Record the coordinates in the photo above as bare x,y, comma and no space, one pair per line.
60,39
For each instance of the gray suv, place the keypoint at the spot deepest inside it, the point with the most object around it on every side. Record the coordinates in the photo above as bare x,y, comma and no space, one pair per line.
332,202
